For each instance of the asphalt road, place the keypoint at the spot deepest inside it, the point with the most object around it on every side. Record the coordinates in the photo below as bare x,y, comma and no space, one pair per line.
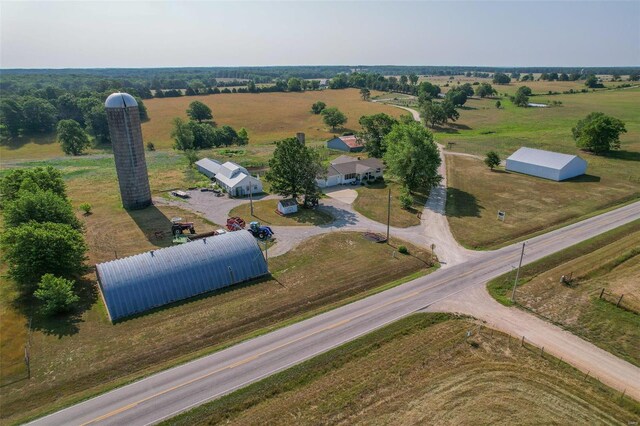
166,394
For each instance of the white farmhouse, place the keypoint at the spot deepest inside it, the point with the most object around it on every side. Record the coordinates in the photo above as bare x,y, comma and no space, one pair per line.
344,170
235,179
546,164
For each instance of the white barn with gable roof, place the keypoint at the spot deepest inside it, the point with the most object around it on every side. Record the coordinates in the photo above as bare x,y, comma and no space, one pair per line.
546,164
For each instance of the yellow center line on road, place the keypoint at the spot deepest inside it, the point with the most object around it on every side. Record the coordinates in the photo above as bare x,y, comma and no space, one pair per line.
504,258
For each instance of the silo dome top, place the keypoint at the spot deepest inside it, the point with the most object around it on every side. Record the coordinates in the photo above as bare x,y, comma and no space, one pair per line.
120,100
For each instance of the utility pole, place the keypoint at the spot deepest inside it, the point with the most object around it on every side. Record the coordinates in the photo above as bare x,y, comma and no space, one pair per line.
515,283
251,197
388,214
266,252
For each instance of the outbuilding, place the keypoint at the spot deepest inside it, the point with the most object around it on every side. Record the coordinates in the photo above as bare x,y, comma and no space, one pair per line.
348,143
288,206
135,284
546,164
235,179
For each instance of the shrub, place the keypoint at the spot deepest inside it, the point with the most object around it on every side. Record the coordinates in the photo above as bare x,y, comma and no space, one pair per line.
406,200
86,208
151,146
403,250
56,294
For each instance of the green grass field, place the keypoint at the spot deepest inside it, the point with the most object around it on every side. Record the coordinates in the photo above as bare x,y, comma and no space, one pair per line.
373,201
422,370
266,212
87,354
611,262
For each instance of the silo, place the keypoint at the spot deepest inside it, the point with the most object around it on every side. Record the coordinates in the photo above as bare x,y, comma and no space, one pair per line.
128,150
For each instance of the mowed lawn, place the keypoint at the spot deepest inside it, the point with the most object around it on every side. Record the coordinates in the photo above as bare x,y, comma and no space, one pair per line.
373,202
423,370
92,355
266,116
611,262
265,212
533,204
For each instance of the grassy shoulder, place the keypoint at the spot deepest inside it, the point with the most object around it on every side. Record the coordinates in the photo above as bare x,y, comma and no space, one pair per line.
475,194
104,354
609,262
265,211
372,202
413,372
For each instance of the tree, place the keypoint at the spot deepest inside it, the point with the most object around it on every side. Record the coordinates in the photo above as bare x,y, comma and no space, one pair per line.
404,79
498,104
501,78
598,133
243,136
427,91
318,107
492,159
192,156
413,79
294,84
56,294
35,249
294,169
95,119
11,116
333,117
433,114
592,82
485,89
198,111
374,129
521,97
365,94
37,178
182,135
412,156
39,115
450,111
406,199
72,137
457,96
40,207
467,88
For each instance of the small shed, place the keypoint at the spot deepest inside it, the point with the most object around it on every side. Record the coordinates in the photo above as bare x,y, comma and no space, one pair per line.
546,164
348,143
288,206
138,283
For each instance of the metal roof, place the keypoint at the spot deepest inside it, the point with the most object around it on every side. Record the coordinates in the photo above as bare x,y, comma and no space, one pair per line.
539,157
120,100
138,283
210,165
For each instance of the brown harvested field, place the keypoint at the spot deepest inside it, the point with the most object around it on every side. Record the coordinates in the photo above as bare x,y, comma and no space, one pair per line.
87,354
422,370
613,266
266,116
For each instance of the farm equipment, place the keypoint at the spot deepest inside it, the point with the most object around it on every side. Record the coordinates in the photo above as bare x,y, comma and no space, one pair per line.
260,232
178,226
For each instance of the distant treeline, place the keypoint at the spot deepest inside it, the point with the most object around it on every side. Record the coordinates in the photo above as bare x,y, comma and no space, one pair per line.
17,81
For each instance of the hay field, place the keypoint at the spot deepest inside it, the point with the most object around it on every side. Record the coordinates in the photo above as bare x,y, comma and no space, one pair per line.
266,116
422,370
106,355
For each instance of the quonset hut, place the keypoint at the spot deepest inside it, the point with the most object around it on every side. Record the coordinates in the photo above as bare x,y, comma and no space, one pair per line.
138,283
128,150
546,164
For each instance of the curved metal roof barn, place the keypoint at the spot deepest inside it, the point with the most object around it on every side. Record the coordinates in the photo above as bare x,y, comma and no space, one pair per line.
138,283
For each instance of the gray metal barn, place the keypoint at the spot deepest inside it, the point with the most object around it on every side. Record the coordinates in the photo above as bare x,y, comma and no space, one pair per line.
138,283
546,164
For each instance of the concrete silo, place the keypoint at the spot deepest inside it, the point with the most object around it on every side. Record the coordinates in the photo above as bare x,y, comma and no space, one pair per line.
128,150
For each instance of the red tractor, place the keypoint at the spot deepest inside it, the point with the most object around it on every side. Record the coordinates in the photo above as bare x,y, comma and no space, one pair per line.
178,226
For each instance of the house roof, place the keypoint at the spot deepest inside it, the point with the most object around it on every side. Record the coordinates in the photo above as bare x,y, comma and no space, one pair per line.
288,202
141,282
540,157
344,165
210,165
229,173
351,141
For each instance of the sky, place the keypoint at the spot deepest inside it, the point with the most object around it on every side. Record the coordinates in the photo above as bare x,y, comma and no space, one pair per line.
195,33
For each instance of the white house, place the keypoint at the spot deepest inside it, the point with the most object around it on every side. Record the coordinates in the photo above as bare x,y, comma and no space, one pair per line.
288,206
344,170
235,179
546,164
